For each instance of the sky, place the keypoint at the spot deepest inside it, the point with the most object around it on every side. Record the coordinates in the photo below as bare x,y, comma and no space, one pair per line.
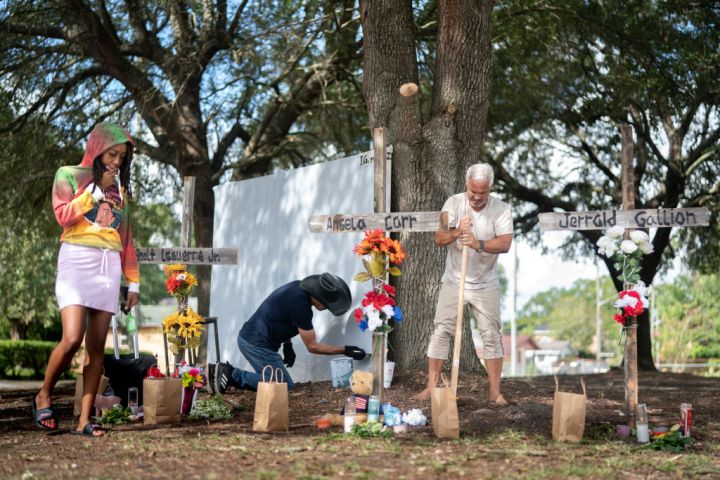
539,272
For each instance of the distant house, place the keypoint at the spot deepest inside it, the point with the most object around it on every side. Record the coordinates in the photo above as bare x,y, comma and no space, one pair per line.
524,344
550,351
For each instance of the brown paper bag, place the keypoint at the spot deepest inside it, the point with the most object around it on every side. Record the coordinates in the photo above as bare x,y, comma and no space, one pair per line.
569,414
161,400
271,403
79,392
444,411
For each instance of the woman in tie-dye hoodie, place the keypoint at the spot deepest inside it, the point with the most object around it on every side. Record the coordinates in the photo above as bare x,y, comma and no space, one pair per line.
91,203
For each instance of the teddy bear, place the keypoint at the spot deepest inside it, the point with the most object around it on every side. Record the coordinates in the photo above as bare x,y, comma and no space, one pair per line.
361,384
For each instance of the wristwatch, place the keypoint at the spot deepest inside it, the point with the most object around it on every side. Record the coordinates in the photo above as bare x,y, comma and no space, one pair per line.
481,246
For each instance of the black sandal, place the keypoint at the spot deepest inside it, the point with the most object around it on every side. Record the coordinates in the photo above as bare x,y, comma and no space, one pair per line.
89,431
43,414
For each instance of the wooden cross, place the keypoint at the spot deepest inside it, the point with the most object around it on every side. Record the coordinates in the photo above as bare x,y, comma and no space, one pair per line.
188,256
381,219
629,219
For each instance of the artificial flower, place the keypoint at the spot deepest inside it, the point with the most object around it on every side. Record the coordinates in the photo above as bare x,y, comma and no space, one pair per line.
615,232
628,253
381,255
376,311
646,248
639,236
394,251
628,247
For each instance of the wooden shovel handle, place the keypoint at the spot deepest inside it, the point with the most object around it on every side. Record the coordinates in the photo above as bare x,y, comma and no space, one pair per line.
458,323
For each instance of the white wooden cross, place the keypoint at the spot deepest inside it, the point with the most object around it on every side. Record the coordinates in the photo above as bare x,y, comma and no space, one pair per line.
381,219
188,256
629,219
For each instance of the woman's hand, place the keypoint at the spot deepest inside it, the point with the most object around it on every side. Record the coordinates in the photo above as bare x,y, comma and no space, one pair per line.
133,298
108,178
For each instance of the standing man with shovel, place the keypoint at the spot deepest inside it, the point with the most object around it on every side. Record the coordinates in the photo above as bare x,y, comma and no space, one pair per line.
484,228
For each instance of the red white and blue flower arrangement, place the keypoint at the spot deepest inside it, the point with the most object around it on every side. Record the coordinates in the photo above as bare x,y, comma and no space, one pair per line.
380,256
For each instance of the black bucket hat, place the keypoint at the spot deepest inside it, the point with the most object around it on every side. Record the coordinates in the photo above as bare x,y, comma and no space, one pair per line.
330,290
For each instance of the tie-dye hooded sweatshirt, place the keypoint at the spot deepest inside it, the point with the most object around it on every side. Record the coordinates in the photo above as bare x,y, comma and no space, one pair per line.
76,208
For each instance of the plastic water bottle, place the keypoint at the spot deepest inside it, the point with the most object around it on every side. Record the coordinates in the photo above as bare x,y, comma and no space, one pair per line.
349,418
131,322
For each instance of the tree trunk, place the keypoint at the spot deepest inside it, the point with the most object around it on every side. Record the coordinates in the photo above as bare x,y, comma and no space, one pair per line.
429,158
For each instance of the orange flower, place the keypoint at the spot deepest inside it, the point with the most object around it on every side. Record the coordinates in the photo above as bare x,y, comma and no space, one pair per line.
371,242
394,251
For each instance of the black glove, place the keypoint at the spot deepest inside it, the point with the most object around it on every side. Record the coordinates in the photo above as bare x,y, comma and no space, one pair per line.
288,354
356,353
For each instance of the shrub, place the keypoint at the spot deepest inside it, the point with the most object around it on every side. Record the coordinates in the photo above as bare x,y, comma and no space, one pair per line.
19,355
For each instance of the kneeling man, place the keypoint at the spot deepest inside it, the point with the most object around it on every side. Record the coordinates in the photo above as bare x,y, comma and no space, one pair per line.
286,313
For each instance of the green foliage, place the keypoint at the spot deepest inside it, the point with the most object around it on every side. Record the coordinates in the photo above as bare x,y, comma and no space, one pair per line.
28,227
689,314
569,313
213,408
672,441
154,225
17,355
116,415
371,430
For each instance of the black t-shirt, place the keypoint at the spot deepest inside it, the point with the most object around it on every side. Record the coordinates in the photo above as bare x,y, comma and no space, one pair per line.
278,318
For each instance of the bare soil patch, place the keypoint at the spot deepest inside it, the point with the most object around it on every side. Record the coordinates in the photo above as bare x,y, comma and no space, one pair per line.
511,442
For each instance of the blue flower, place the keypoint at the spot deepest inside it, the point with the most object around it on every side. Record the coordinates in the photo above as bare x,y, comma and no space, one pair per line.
363,325
398,314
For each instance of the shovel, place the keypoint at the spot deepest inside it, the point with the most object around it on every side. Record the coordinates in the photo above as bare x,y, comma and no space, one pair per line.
458,323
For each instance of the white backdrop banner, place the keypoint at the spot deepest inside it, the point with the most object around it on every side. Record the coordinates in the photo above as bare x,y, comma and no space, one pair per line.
266,218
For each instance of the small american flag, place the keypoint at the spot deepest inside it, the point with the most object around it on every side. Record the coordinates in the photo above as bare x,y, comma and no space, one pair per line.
361,402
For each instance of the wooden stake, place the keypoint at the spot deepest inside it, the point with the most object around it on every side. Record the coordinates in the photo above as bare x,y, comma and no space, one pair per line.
380,165
628,191
458,324
381,206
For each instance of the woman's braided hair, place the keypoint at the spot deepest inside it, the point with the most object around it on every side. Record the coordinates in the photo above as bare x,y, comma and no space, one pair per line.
99,168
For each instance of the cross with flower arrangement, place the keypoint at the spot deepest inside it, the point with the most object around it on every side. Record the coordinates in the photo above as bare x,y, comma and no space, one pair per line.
183,327
378,312
628,254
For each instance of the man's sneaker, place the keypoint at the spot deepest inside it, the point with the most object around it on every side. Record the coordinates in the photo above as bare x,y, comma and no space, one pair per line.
210,371
223,377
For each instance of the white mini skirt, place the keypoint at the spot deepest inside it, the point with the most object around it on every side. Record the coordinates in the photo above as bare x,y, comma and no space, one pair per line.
89,277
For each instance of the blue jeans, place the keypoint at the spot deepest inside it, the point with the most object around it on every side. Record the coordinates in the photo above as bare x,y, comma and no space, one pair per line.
259,358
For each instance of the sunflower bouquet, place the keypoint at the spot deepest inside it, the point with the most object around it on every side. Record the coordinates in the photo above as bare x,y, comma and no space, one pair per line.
183,328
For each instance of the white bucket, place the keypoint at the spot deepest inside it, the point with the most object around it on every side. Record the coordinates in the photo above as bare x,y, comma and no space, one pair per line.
387,376
340,372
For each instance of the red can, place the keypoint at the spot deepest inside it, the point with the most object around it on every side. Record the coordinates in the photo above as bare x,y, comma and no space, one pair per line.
686,412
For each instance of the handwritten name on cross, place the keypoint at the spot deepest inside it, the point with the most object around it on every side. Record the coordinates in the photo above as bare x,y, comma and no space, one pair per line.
629,218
